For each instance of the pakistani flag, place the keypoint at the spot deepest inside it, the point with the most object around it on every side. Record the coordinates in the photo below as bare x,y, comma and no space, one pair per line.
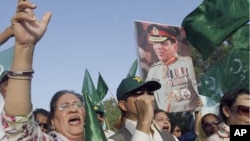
89,87
213,21
102,87
98,94
93,128
133,69
230,73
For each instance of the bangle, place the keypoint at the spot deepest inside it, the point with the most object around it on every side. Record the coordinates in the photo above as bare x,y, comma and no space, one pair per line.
20,77
20,73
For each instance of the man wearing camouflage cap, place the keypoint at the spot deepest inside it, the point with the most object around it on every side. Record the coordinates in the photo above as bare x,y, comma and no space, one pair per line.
174,72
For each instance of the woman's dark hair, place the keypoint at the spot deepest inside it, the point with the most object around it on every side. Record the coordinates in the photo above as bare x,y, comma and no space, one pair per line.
228,99
40,111
208,114
173,125
156,111
54,100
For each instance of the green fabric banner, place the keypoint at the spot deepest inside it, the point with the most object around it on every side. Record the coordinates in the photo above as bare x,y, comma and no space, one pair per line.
133,69
89,87
102,87
230,73
93,128
213,21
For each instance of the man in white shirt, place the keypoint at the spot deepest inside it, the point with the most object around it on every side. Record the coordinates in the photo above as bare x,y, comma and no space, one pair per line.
136,101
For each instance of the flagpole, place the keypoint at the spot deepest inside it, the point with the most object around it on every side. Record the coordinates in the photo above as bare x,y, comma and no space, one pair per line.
106,121
113,96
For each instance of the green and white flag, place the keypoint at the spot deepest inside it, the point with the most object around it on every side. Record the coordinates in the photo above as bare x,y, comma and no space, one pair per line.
213,21
230,73
93,128
133,69
102,87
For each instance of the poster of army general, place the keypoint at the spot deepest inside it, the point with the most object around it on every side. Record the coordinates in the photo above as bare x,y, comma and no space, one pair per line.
164,56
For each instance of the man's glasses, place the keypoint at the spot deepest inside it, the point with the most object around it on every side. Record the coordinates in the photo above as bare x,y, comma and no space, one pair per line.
43,125
66,106
241,110
138,93
141,92
209,124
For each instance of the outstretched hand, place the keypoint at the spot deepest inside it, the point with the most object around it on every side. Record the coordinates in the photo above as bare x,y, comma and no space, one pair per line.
26,27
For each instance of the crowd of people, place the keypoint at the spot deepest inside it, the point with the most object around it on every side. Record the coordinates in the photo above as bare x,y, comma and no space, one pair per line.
140,119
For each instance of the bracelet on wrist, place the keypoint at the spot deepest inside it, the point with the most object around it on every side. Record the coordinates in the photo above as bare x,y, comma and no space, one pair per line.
20,77
20,73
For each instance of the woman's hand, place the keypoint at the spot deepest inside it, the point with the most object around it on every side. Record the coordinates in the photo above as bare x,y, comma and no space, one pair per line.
26,27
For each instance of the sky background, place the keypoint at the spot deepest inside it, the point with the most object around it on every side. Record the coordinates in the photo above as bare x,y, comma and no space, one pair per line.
94,35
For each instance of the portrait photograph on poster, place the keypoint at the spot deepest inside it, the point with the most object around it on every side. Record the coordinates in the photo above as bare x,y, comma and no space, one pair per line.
164,56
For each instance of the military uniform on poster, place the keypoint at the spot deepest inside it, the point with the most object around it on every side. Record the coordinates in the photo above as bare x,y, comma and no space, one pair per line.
179,89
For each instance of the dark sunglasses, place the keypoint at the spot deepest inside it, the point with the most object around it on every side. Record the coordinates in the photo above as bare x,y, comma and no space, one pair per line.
209,124
141,92
138,93
241,110
44,125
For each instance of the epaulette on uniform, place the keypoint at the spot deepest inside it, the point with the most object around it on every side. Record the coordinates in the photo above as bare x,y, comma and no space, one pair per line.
185,58
156,64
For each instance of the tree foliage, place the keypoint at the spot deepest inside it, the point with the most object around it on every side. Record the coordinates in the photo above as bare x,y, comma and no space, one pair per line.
201,65
112,112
